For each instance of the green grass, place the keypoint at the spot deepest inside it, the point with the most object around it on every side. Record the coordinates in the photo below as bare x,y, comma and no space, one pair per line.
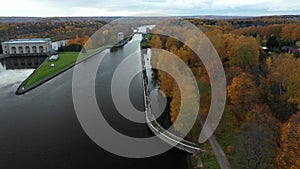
147,43
226,133
210,161
65,59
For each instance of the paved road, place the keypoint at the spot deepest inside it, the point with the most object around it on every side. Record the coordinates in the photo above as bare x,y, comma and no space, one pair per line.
219,153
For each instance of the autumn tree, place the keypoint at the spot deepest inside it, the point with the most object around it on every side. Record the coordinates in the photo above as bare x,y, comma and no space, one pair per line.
242,93
283,81
75,44
288,156
232,72
172,43
245,53
217,36
155,42
256,145
171,89
291,31
293,85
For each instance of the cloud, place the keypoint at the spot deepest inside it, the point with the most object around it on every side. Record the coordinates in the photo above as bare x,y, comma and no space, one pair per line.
135,7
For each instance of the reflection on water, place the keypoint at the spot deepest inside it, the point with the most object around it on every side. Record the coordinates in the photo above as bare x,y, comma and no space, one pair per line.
40,129
13,78
21,63
14,70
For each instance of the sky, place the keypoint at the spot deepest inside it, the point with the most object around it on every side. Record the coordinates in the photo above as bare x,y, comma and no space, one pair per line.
50,8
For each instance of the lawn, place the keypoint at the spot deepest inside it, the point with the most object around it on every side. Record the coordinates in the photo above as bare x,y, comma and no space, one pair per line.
65,59
45,70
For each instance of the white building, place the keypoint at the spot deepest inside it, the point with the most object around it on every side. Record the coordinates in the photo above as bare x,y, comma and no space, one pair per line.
56,45
27,46
120,36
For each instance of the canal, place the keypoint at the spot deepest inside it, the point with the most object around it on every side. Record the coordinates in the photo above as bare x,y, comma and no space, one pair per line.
40,129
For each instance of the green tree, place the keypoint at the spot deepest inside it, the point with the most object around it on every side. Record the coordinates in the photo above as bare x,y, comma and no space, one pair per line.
272,42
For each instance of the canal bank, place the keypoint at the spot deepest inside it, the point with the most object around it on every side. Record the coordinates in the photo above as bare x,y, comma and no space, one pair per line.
40,129
154,126
26,87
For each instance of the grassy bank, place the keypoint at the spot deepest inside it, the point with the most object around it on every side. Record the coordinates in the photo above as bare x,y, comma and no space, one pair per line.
45,70
146,41
65,60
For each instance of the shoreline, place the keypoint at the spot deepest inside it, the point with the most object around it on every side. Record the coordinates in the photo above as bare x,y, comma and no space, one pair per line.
20,89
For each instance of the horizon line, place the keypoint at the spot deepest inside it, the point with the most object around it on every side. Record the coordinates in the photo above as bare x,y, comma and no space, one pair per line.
193,15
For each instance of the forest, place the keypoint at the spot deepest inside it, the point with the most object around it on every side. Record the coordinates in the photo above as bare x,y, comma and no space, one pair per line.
260,127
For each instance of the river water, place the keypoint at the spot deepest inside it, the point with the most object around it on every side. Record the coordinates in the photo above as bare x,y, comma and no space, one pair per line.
40,129
14,70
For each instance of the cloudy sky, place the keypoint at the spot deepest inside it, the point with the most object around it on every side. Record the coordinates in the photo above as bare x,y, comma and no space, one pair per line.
147,7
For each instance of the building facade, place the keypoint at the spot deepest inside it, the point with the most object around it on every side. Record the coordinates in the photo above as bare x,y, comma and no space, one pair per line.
120,36
58,44
27,47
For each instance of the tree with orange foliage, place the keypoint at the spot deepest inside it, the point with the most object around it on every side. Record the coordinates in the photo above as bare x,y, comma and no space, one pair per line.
78,40
289,154
242,93
156,42
171,43
291,31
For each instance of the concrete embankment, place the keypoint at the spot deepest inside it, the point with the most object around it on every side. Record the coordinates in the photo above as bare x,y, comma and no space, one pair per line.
21,90
157,129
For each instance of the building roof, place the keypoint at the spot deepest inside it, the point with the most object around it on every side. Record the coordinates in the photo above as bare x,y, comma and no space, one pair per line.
37,40
297,50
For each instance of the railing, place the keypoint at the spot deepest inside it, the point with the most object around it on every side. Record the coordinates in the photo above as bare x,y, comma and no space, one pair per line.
158,130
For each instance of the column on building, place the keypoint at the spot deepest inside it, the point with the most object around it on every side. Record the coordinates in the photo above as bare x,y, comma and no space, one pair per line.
30,47
17,49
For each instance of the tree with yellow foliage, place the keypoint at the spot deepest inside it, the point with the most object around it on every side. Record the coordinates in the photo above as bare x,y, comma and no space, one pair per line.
156,42
242,93
293,85
245,53
291,31
217,36
289,154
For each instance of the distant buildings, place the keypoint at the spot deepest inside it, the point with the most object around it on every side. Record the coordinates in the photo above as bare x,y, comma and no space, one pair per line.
27,47
291,50
287,49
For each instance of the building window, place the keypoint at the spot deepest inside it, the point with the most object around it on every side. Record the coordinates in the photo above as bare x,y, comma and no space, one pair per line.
14,50
41,49
21,50
34,50
27,49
